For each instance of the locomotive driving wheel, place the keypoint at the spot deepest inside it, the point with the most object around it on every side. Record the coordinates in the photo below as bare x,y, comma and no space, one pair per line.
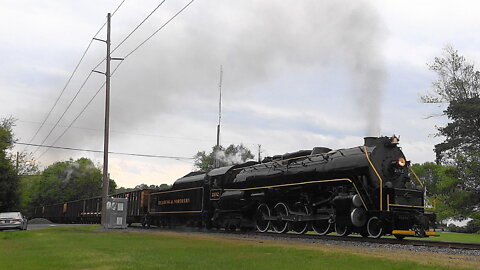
263,212
374,227
280,211
300,227
321,227
342,230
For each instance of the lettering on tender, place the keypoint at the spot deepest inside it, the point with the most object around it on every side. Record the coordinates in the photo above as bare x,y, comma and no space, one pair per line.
174,201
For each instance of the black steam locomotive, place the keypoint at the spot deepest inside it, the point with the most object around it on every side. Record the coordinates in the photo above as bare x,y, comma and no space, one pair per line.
366,190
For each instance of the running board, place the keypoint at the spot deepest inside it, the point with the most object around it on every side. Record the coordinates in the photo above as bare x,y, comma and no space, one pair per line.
412,233
298,218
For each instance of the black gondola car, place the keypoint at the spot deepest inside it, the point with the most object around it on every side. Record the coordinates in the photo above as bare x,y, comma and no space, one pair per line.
54,212
89,210
73,211
137,205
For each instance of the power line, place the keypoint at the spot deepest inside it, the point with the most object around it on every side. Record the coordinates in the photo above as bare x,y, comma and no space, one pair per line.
115,11
124,132
71,76
99,151
131,52
63,90
133,31
81,112
65,111
78,91
69,126
138,26
141,134
160,28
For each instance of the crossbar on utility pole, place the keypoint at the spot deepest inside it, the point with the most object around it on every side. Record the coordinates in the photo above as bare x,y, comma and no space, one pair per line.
105,180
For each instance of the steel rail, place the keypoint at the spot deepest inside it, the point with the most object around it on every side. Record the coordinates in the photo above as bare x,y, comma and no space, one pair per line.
389,241
386,241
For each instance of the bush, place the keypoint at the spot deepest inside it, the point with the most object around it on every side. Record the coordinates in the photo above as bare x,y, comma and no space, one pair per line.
471,227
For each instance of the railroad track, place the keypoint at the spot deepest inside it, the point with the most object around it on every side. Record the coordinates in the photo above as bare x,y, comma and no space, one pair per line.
386,241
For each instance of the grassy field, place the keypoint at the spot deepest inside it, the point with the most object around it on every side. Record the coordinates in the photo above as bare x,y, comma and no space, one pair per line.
457,237
86,248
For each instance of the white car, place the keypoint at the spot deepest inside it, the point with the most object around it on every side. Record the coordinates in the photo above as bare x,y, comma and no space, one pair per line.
13,220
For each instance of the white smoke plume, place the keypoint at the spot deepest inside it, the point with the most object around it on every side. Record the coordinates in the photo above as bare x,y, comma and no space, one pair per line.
74,168
69,171
255,41
227,159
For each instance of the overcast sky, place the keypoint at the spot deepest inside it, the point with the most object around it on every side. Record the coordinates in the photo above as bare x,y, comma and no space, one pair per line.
296,74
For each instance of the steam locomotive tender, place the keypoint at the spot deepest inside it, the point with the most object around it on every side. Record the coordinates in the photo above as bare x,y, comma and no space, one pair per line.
367,190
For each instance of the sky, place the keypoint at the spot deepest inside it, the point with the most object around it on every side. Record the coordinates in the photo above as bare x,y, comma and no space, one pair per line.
295,75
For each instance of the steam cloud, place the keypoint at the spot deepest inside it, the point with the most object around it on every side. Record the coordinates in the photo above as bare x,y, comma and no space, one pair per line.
178,69
74,168
230,159
68,172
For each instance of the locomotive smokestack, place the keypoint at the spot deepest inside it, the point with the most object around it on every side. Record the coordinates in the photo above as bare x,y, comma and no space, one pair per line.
370,141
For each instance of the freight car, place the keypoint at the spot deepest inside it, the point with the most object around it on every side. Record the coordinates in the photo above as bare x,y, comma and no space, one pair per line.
137,205
89,210
366,189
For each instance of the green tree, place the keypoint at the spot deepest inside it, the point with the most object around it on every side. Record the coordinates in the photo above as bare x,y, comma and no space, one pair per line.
68,180
123,189
26,191
25,163
164,186
457,78
8,173
458,87
233,154
145,186
442,184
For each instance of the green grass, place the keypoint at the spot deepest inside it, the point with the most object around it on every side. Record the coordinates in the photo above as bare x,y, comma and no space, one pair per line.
456,237
84,248
443,236
450,237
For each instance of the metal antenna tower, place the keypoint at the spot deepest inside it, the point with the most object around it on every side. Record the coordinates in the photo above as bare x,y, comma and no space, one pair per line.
219,106
217,162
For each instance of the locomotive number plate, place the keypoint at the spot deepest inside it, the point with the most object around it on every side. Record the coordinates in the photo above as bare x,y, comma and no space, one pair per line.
215,194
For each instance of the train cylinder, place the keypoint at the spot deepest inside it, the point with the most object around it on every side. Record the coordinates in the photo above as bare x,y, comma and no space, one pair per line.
357,201
358,216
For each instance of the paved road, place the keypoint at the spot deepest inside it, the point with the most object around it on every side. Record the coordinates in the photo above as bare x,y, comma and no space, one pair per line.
43,226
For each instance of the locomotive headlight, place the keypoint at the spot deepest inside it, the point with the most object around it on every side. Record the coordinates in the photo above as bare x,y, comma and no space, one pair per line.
401,162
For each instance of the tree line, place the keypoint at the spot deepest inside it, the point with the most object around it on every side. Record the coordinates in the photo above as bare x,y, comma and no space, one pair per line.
23,185
453,181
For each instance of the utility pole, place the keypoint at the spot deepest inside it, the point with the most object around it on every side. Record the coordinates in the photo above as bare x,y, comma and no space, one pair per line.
107,128
259,151
217,162
106,175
